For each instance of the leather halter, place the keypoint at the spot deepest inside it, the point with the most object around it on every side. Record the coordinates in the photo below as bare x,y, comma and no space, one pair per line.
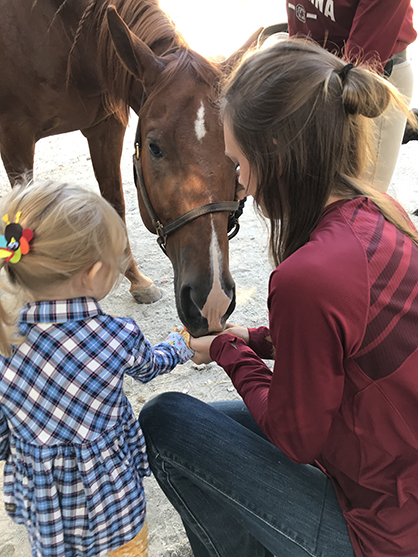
235,208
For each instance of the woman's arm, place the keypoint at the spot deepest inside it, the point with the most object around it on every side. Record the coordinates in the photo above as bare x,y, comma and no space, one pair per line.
257,338
318,307
375,29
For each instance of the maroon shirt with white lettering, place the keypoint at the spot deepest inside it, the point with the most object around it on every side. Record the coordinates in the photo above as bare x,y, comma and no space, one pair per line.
370,29
343,312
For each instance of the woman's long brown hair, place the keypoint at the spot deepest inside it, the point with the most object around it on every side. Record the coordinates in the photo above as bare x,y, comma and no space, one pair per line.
306,132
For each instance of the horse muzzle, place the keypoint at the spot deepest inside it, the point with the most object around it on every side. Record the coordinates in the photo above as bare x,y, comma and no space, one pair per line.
200,314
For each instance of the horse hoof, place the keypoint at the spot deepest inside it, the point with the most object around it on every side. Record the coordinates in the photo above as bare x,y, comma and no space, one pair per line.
148,295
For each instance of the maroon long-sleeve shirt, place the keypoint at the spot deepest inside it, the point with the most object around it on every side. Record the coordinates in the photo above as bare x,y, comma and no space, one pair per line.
343,331
371,29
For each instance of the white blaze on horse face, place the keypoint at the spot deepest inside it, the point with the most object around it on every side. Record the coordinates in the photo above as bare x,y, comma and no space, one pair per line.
217,301
199,124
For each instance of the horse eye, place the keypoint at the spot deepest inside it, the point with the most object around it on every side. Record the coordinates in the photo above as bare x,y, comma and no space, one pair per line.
155,150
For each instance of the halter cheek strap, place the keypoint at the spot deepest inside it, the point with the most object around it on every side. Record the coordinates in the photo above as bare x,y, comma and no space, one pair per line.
234,208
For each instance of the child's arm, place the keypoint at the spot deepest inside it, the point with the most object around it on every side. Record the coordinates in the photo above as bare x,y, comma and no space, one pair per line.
4,437
150,361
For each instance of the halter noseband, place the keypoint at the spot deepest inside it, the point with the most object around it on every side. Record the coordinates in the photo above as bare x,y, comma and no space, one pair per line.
235,208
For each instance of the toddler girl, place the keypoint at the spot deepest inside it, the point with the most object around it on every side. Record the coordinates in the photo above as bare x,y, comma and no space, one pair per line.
74,450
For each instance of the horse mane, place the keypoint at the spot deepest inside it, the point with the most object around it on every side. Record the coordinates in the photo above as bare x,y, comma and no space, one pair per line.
188,62
145,19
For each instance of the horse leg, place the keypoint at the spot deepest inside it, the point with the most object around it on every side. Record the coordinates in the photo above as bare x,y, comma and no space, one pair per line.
17,147
105,143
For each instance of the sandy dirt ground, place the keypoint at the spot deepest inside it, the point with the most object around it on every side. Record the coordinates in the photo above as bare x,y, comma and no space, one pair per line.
66,158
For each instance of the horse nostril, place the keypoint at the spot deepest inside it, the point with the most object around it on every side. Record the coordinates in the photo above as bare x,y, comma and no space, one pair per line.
190,312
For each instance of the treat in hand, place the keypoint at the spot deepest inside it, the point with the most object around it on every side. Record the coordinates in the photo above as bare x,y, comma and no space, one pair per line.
180,339
184,333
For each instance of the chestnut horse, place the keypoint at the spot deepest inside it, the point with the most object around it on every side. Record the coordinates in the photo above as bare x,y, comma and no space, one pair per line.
75,65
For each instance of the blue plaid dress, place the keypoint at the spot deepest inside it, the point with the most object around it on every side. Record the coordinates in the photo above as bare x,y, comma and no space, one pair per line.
75,452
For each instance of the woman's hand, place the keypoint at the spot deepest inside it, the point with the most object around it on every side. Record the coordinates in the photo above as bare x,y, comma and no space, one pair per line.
238,331
201,347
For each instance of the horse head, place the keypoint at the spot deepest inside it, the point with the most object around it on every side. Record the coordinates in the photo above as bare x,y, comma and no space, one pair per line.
180,150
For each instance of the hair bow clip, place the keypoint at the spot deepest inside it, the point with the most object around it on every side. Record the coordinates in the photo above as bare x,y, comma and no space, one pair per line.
15,241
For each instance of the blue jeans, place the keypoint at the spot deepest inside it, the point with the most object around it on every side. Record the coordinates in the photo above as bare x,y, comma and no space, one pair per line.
236,493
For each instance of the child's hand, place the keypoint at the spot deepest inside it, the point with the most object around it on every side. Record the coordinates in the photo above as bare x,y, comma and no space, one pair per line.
180,341
201,347
238,331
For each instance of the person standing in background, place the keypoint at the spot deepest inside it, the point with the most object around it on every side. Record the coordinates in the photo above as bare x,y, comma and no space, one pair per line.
374,31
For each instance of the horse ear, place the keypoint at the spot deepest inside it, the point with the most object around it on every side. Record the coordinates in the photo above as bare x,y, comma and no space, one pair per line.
233,60
134,54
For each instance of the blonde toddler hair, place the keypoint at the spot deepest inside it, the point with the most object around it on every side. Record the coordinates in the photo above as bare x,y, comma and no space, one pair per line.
73,229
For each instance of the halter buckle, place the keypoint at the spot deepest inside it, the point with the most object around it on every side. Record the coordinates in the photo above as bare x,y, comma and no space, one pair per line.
162,238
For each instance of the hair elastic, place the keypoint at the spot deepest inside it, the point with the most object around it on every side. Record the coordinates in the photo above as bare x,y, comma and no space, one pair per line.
15,241
344,71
